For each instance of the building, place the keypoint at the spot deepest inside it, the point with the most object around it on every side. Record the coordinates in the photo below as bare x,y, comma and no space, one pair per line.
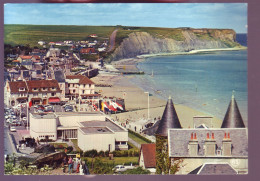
60,77
92,130
147,157
202,148
80,86
33,91
88,51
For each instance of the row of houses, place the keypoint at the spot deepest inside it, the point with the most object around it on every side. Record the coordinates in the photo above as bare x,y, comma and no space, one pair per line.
50,91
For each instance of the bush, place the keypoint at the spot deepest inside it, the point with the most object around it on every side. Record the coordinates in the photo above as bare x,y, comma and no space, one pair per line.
139,136
101,154
69,149
90,153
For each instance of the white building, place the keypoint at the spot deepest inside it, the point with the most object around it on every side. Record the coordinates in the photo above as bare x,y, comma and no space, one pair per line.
93,130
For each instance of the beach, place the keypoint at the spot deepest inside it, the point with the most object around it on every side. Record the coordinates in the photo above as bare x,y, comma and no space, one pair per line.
136,100
136,103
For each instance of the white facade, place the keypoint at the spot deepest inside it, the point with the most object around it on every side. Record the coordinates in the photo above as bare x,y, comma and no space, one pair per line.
42,126
82,126
99,142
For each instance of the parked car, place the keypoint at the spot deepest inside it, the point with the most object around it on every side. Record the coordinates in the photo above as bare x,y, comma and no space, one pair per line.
122,168
24,118
12,129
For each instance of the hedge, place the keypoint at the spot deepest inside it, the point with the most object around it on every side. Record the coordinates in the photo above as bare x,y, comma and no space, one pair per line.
140,136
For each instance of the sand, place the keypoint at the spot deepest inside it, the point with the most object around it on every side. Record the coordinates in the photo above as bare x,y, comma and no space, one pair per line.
136,103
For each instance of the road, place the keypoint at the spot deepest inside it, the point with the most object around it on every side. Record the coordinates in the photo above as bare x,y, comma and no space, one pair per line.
112,41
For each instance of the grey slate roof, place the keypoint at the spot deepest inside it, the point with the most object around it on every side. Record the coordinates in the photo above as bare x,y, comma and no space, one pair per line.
169,119
215,169
59,76
179,140
233,118
151,131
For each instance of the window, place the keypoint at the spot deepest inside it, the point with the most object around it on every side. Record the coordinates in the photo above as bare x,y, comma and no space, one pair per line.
35,94
53,94
89,85
74,91
21,89
83,91
35,89
44,89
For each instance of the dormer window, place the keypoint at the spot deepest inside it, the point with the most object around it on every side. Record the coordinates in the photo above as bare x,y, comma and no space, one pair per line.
35,89
21,89
44,89
53,88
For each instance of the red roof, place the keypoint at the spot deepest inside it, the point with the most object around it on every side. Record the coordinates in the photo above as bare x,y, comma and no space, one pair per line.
14,86
82,79
149,152
26,56
87,50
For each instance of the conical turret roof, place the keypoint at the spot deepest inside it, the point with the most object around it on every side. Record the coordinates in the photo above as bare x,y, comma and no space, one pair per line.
233,118
169,119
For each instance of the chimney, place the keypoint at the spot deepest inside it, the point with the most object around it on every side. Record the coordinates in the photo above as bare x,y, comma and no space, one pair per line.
193,145
227,145
210,145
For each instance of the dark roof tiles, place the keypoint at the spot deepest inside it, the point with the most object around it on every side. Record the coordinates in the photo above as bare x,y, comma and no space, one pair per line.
233,118
169,119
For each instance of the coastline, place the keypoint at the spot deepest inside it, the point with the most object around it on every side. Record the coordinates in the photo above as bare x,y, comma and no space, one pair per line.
136,100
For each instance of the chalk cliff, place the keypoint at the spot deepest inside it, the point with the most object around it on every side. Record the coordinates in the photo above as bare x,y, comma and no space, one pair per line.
138,43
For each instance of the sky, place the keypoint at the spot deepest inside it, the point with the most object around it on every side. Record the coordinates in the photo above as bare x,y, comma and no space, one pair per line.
170,15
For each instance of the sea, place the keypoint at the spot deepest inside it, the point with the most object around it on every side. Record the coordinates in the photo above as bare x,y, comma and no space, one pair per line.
204,81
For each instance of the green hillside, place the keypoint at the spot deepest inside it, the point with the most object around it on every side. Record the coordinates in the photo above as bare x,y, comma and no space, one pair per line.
31,34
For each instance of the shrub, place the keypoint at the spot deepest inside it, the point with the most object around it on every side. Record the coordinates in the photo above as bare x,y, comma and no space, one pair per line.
101,154
69,149
90,153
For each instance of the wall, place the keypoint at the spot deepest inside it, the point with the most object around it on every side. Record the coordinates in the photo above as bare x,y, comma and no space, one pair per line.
96,141
42,127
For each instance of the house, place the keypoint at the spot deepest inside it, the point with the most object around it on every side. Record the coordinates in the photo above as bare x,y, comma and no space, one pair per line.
41,43
33,91
53,52
80,86
26,58
93,35
204,145
147,157
92,130
88,51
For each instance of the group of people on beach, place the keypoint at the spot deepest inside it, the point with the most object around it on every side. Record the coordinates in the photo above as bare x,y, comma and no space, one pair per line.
78,166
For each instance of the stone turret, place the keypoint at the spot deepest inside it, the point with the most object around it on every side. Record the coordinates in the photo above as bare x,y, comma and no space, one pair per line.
169,119
233,118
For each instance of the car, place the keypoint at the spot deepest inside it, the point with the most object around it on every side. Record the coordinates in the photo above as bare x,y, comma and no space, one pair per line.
119,168
13,116
12,129
7,116
24,118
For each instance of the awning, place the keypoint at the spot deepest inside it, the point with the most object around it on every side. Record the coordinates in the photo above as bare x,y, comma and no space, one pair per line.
36,99
21,98
54,99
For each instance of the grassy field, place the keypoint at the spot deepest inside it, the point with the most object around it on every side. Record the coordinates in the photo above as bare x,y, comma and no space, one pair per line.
31,34
116,160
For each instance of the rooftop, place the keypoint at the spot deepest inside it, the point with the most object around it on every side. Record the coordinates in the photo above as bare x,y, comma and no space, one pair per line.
43,115
179,141
95,130
108,124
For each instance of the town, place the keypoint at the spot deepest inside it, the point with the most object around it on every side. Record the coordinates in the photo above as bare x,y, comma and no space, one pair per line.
59,121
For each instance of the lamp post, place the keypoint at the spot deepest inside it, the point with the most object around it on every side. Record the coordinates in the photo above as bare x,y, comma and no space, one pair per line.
148,116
